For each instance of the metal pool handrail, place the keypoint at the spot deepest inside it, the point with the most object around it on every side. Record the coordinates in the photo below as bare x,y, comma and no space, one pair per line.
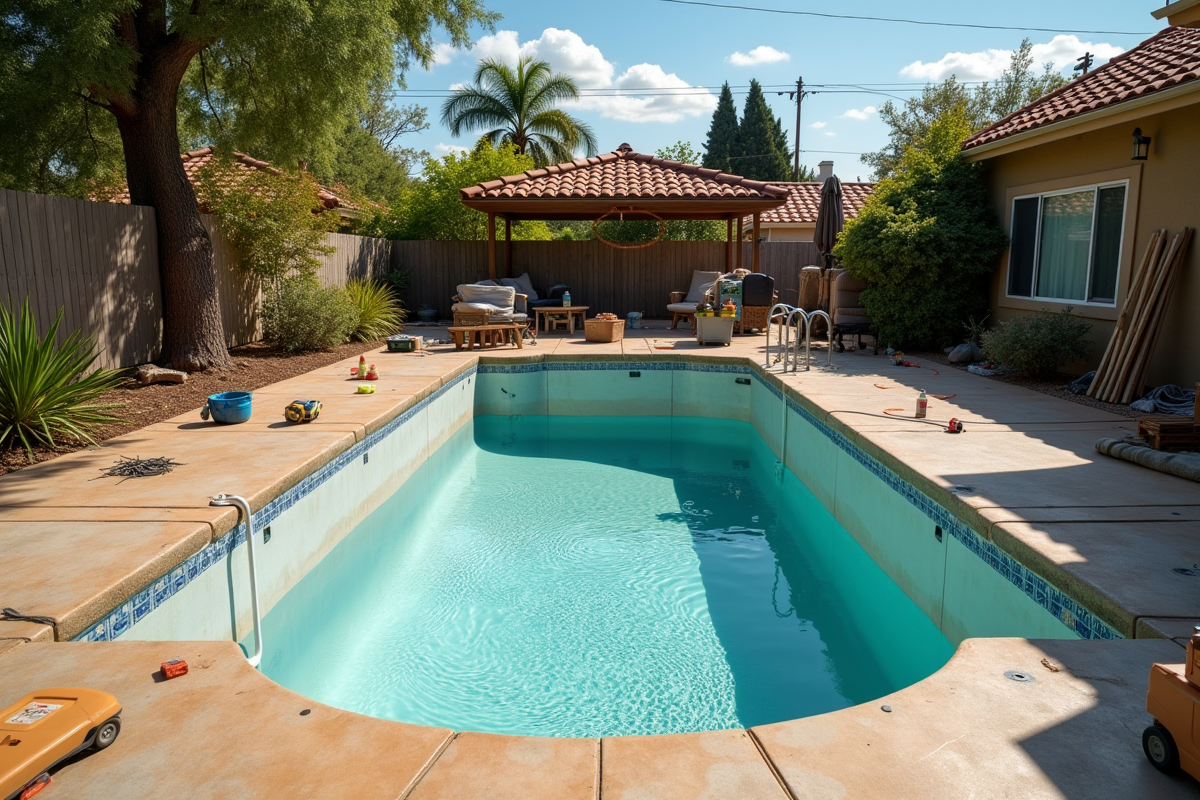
244,509
808,332
782,311
795,346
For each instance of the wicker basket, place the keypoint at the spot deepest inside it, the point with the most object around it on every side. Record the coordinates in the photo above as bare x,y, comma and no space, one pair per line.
471,319
604,330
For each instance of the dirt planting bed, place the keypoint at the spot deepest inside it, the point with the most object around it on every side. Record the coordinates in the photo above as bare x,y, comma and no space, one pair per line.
254,366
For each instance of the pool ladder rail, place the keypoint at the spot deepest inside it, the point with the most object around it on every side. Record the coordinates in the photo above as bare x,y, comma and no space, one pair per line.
787,349
244,511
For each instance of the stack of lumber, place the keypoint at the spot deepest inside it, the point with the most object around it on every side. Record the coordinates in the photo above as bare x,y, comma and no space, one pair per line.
1170,432
1122,371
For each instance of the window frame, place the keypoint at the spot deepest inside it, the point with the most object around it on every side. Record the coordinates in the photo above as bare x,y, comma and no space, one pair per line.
1037,247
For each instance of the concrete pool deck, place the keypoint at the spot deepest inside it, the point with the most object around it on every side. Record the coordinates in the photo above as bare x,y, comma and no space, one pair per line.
1024,475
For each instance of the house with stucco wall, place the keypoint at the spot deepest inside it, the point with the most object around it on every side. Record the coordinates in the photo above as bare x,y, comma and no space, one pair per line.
1082,178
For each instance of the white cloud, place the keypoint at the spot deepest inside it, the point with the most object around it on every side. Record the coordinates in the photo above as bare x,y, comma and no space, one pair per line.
859,113
987,65
567,52
830,133
763,54
818,125
444,53
446,149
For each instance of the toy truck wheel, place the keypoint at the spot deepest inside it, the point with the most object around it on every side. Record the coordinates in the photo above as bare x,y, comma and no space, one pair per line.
107,733
1160,748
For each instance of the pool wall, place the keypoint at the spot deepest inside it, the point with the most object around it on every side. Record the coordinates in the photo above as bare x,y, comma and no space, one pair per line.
965,584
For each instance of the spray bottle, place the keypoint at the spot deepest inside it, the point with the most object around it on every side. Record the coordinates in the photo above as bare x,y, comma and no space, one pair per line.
922,405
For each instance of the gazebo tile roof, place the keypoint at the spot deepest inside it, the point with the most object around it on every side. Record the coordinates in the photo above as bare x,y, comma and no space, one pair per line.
624,175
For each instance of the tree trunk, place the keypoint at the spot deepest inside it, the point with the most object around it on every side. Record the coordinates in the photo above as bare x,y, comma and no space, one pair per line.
193,331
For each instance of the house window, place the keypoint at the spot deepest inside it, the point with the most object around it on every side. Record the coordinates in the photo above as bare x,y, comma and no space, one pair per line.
1067,245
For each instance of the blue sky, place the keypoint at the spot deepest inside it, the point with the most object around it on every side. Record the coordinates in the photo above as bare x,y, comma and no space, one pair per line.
618,49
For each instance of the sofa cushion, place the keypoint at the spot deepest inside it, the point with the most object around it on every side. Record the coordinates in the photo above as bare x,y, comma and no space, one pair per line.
702,283
682,308
499,298
526,286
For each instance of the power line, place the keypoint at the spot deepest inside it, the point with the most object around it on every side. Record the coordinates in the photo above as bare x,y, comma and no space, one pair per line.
900,20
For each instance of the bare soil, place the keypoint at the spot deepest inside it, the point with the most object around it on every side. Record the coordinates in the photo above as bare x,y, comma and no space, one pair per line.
254,366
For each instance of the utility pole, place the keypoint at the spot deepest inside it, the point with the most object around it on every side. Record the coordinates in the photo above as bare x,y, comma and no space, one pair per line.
799,102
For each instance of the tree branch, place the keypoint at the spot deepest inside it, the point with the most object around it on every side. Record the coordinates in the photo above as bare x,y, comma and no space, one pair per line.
207,97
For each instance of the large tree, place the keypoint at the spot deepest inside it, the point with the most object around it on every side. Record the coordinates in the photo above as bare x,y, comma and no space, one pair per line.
288,72
722,133
756,151
981,106
518,106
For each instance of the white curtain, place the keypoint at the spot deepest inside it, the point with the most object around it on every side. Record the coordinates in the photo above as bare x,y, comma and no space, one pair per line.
1066,245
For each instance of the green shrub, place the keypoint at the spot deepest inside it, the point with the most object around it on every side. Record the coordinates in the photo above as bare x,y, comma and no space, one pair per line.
1037,344
299,314
926,242
44,396
379,311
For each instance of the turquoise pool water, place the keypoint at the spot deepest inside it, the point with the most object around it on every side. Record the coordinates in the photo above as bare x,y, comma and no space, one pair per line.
597,576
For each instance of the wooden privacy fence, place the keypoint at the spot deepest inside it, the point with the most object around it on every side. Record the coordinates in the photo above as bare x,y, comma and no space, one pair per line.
99,263
601,277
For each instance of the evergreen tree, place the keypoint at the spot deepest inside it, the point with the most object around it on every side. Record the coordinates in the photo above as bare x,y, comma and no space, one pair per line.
722,133
756,153
783,146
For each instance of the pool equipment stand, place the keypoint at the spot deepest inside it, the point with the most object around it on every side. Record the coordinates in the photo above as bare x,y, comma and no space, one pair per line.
244,509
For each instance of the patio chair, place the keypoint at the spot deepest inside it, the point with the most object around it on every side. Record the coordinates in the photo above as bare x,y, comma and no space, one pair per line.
683,304
488,303
847,311
758,295
524,286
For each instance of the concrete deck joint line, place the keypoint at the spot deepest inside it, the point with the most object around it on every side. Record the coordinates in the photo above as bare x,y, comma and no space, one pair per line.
428,765
762,751
599,765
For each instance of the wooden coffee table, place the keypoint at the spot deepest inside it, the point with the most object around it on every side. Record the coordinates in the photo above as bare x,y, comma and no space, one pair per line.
472,335
549,313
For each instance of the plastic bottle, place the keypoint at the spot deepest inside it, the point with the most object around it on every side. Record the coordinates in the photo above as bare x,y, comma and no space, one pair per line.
922,405
566,299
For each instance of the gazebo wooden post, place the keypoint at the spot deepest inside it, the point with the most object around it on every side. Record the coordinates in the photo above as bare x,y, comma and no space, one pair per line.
491,246
508,267
729,245
739,241
754,259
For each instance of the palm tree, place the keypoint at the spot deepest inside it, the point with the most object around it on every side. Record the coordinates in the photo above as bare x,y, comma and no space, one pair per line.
518,106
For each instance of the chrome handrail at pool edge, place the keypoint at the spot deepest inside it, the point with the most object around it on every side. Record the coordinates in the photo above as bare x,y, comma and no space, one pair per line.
244,510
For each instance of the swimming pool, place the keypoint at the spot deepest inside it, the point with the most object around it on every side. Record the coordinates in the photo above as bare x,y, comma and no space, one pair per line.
599,576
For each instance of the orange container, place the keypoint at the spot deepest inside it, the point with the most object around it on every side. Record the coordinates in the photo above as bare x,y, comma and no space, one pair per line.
174,668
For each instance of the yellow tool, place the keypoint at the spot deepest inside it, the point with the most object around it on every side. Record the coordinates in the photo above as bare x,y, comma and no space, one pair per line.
43,728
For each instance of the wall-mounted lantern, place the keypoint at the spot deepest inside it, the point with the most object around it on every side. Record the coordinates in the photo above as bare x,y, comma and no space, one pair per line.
1141,146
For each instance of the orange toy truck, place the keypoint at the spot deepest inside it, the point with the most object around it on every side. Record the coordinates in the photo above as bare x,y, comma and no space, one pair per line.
1173,741
43,728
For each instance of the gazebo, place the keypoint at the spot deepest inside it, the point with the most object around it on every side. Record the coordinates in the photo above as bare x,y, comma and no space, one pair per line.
633,186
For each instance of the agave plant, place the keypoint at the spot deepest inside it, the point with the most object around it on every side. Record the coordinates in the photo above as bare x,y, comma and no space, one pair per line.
44,395
379,311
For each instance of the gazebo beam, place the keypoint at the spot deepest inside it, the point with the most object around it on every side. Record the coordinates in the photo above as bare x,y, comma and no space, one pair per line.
729,245
754,255
508,267
740,225
491,246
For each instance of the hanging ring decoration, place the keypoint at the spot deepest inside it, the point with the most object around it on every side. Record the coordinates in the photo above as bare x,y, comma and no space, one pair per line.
662,229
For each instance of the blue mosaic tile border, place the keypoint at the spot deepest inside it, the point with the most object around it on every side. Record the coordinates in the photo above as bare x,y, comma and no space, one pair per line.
133,610
1064,608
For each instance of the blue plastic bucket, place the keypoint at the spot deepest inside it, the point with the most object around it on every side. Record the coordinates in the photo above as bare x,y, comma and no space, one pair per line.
227,407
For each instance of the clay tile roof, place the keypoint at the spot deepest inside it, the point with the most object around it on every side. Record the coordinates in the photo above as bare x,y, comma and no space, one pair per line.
1169,58
623,175
804,199
196,160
